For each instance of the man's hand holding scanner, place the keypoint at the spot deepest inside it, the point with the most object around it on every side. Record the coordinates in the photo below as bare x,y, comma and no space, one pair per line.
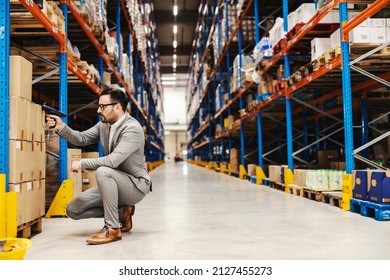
54,122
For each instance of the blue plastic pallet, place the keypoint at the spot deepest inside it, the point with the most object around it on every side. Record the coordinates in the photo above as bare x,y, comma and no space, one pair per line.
253,179
265,181
380,212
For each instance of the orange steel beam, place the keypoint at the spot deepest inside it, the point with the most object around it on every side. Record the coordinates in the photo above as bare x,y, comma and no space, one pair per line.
365,14
315,75
75,70
46,23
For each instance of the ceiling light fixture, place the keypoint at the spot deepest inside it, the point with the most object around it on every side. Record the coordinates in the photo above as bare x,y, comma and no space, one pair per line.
175,10
175,29
174,65
175,44
174,56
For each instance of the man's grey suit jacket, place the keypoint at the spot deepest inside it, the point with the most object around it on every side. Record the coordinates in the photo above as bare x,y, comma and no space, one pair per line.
126,153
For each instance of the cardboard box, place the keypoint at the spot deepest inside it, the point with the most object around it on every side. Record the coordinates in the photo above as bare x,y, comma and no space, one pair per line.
75,155
331,17
37,160
274,172
319,46
291,18
52,141
252,169
234,164
19,171
106,78
360,34
37,209
305,12
300,177
230,122
326,157
377,30
19,127
89,154
38,116
21,190
20,77
89,180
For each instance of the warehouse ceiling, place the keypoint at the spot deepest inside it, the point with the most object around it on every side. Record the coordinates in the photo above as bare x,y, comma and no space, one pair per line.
186,22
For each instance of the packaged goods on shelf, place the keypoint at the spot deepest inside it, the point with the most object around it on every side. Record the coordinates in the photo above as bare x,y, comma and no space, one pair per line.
388,29
20,77
324,180
112,48
234,164
379,187
305,12
319,46
244,73
277,32
76,177
377,30
292,21
262,50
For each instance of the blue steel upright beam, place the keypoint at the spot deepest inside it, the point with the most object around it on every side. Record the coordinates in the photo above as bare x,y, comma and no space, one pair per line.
118,32
220,84
305,135
364,141
63,98
228,62
129,55
136,82
347,95
288,100
259,119
101,73
242,136
4,87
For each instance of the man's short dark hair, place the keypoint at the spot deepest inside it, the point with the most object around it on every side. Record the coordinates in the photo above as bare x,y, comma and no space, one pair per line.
117,95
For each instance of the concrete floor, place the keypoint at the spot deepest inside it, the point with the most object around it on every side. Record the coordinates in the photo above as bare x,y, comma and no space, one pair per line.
197,214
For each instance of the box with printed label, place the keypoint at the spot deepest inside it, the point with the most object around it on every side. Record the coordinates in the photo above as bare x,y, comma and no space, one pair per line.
35,199
19,171
37,160
89,180
305,12
76,177
377,30
21,190
19,126
319,46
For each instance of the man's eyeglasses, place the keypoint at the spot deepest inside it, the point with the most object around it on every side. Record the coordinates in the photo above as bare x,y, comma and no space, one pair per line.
103,106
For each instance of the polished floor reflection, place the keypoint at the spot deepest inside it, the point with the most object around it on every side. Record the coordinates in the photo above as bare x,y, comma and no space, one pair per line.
195,213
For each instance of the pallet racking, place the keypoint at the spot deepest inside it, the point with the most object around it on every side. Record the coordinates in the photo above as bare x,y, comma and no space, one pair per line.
310,107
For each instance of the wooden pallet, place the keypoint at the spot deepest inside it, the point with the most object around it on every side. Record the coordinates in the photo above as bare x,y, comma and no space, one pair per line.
380,212
295,190
277,185
312,194
28,229
332,198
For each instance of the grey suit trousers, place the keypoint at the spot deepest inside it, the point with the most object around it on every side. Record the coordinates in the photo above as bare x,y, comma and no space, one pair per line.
114,190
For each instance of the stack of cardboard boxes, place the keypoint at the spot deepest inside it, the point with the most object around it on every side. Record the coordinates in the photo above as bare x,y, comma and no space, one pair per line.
27,149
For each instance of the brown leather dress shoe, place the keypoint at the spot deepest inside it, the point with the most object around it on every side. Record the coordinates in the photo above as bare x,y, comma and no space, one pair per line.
105,235
126,221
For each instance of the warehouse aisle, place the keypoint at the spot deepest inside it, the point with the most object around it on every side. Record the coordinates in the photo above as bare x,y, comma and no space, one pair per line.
194,213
